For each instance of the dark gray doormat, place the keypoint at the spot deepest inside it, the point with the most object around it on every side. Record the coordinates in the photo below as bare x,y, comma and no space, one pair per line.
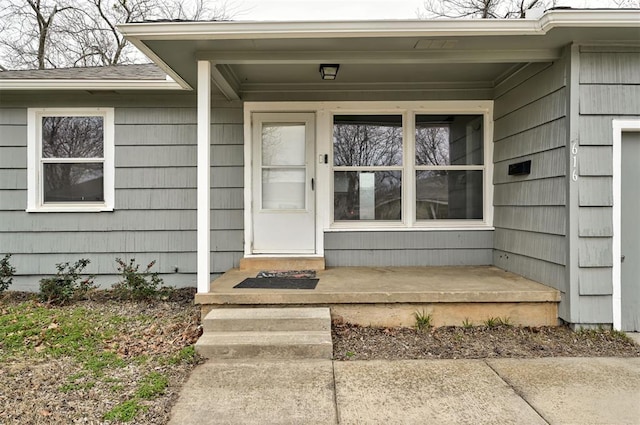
277,283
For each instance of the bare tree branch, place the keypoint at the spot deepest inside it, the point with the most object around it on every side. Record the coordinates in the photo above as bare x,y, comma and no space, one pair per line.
63,33
483,9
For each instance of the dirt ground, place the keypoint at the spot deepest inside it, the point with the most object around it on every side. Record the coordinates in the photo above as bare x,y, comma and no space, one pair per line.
351,342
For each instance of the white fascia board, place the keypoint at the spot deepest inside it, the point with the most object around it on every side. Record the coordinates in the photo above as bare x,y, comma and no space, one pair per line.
379,28
590,18
35,84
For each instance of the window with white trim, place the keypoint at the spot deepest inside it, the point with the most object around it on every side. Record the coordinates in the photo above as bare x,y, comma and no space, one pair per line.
71,165
411,169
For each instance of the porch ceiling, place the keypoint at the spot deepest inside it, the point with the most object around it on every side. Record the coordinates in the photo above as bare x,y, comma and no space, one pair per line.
250,58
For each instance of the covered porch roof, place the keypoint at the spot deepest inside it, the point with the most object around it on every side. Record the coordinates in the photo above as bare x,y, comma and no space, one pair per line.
270,60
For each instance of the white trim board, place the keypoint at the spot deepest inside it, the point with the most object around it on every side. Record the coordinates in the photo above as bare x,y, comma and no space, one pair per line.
619,127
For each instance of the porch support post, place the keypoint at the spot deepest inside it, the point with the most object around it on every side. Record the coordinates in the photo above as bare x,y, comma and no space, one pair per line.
204,179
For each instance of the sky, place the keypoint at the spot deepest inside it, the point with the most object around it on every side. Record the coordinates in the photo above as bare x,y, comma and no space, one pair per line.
351,9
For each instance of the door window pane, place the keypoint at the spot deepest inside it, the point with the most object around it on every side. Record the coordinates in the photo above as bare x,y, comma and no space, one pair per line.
72,137
449,194
449,140
73,182
360,195
283,144
283,189
367,140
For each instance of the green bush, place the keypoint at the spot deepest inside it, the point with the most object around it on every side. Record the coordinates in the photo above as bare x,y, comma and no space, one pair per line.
6,273
136,284
67,284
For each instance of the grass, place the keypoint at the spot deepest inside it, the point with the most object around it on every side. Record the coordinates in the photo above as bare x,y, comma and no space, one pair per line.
93,342
125,412
150,387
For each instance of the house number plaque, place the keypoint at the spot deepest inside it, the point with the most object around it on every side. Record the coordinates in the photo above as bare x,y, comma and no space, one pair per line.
574,161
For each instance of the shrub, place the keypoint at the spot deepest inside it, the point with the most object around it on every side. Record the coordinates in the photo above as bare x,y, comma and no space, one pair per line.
67,284
6,273
135,284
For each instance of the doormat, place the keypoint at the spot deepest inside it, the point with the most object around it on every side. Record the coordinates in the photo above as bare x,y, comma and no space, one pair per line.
278,283
298,274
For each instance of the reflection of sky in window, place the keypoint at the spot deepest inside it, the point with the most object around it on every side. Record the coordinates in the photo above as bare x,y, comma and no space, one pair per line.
283,144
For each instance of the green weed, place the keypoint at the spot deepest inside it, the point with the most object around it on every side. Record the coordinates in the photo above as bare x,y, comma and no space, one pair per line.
466,323
494,322
423,320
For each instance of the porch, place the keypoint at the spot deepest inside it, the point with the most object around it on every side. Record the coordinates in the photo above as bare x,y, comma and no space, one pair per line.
390,296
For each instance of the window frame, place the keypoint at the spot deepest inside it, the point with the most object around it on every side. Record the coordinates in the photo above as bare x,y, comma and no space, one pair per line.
408,221
35,175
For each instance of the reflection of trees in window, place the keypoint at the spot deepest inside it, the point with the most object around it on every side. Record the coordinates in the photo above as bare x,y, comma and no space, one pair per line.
448,164
73,154
367,145
432,145
72,137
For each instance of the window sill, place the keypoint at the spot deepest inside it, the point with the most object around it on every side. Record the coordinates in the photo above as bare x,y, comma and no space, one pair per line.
451,227
74,209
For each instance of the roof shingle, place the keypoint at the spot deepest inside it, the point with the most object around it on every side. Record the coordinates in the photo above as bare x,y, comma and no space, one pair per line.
116,72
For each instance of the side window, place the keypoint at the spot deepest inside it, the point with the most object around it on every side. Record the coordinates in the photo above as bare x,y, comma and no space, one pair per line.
70,159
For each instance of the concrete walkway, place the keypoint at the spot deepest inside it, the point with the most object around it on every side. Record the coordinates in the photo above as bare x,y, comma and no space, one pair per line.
504,391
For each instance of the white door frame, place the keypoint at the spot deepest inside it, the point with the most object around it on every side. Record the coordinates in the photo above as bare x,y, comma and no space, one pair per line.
619,127
261,107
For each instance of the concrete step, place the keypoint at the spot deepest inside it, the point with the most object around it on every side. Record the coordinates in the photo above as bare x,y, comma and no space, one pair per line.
266,345
282,263
267,319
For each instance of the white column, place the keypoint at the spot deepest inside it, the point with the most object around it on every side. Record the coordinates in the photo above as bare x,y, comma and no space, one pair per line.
204,179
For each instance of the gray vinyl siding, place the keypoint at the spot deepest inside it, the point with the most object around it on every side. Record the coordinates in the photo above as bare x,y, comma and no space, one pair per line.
408,248
155,194
609,88
530,210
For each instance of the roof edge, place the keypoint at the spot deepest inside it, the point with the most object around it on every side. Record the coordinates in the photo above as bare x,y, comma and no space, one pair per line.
77,84
378,28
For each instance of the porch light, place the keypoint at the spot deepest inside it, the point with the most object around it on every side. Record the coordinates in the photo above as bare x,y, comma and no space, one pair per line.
329,71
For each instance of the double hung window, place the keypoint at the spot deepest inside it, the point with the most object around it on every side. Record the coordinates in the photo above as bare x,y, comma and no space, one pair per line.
70,160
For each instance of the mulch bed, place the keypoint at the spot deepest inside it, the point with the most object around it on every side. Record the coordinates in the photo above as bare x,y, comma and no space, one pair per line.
352,342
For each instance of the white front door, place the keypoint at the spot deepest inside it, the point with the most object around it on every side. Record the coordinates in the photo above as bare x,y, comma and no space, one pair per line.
283,183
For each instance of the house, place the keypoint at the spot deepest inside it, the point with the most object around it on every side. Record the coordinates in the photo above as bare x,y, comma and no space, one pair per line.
510,143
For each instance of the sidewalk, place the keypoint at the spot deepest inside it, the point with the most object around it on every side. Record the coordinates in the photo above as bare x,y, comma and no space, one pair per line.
510,391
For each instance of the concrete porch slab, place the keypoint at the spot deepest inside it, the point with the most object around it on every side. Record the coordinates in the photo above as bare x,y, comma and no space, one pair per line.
364,285
390,296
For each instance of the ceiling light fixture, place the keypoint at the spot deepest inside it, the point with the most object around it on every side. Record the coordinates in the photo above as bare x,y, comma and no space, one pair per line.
329,71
